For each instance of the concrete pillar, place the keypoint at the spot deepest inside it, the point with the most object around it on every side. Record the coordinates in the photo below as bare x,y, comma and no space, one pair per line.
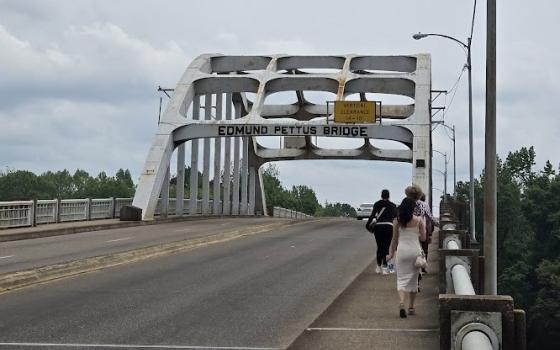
165,195
193,196
421,160
490,180
206,159
236,158
252,187
227,162
217,207
259,206
244,176
260,200
180,183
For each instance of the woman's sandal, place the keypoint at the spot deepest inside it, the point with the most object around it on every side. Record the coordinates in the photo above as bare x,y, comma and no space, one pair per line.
402,313
411,311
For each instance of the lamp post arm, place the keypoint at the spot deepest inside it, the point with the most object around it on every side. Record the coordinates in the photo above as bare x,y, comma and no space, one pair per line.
451,38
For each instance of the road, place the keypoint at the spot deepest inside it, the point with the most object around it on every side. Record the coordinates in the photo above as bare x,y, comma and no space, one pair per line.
257,292
19,255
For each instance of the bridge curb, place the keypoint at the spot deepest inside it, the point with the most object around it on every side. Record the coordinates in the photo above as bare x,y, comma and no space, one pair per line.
50,232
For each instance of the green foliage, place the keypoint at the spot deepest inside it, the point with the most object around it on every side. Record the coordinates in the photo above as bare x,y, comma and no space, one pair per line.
304,200
528,241
187,185
276,195
25,185
544,315
300,198
336,209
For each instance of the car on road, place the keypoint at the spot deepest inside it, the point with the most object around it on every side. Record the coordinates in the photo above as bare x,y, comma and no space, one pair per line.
364,211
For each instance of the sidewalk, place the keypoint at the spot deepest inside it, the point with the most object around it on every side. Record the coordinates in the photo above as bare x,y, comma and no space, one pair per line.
365,315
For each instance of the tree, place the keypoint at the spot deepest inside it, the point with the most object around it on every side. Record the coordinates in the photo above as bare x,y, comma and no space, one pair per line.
25,185
276,195
305,200
20,185
336,210
528,241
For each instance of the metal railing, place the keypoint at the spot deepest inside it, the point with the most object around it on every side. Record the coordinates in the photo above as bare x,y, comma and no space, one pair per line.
468,318
37,212
474,339
279,212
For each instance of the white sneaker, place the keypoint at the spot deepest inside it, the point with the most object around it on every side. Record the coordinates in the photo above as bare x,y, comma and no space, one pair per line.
378,269
385,271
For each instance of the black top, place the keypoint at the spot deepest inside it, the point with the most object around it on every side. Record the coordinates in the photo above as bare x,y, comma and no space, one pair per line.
388,214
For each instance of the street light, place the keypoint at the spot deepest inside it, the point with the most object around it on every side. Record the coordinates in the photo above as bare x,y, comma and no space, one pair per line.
467,47
444,174
454,155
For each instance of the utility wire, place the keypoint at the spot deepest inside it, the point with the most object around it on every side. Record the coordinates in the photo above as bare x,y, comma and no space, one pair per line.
473,17
455,88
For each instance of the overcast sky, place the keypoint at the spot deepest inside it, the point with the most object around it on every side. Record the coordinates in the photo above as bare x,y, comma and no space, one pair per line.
78,78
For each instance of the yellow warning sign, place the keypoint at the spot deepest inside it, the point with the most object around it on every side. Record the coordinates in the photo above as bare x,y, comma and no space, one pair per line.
355,111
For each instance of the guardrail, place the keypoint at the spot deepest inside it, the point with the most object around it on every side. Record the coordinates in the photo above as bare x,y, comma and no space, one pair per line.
279,212
469,319
36,212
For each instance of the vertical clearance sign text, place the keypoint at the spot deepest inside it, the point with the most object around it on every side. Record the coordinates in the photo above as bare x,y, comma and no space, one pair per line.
355,111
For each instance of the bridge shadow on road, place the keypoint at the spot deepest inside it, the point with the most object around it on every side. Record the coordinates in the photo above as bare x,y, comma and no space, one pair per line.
366,315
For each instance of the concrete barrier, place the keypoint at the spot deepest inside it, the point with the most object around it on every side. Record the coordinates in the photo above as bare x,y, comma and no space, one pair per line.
469,321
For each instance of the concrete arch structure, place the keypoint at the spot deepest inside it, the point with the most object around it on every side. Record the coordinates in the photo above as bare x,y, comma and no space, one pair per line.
221,99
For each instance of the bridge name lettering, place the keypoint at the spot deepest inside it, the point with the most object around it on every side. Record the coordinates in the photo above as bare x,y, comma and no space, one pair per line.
293,130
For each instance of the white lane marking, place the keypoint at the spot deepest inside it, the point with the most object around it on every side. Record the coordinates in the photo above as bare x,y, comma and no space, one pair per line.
136,346
184,230
375,329
6,257
118,239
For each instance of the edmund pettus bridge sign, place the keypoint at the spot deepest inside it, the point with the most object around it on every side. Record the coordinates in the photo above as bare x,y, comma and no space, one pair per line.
220,108
293,130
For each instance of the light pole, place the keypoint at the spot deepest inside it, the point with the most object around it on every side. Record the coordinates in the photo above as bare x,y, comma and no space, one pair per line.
444,174
466,46
454,155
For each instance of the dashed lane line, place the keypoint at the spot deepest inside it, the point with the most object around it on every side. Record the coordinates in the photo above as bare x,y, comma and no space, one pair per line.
118,239
6,256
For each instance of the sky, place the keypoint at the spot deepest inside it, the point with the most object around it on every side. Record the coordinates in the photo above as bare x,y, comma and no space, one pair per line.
79,78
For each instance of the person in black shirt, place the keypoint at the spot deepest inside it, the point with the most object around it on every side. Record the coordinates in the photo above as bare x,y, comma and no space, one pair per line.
380,222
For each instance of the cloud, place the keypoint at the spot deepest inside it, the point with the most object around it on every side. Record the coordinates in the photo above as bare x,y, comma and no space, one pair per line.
51,134
94,62
291,46
78,78
344,181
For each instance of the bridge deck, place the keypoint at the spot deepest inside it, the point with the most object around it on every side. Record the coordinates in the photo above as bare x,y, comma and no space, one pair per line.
366,316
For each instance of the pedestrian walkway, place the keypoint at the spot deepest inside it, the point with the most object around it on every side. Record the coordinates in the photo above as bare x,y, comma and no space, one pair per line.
366,315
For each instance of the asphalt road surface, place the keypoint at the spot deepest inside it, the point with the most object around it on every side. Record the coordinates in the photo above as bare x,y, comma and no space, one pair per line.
257,292
23,254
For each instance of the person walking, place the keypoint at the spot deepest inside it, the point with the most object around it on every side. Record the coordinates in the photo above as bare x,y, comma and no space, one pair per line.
422,209
408,229
431,222
380,222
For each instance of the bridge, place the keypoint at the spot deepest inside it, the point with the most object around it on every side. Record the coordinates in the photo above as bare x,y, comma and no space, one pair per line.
233,94
223,273
219,282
